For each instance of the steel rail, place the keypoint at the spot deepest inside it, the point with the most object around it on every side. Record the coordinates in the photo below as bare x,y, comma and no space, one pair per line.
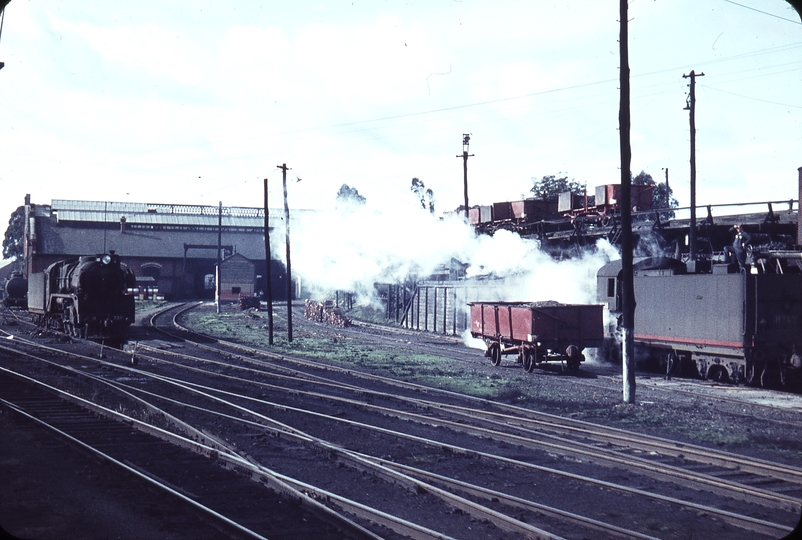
724,459
659,471
500,519
151,480
746,522
276,481
755,465
751,523
751,465
517,502
358,460
355,508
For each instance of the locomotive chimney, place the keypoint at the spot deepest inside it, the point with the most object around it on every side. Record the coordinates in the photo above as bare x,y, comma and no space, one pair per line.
122,224
798,213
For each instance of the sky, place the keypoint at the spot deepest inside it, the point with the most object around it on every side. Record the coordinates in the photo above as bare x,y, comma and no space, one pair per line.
196,102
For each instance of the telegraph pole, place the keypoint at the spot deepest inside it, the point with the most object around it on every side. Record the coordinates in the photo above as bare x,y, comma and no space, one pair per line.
466,139
268,276
219,257
284,170
627,283
691,107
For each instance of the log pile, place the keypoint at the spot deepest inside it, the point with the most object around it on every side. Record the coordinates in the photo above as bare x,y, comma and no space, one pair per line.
326,313
248,302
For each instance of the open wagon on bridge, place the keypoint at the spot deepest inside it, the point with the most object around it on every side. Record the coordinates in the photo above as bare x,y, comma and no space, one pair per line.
538,331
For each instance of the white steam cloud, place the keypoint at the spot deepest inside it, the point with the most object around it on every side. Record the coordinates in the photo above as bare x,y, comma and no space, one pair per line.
351,248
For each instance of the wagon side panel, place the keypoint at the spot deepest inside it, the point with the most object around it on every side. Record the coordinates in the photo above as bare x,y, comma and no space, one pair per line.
522,323
484,322
581,325
505,321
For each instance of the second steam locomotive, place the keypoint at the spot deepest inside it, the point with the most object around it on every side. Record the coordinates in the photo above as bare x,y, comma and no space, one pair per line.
85,297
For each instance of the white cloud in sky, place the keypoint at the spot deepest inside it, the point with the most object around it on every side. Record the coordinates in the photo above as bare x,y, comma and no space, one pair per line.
193,103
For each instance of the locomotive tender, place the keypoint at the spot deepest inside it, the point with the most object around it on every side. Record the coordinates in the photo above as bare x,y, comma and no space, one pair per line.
716,322
84,297
537,331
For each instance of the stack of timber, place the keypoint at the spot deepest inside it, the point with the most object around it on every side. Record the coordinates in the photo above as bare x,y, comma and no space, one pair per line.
248,302
325,312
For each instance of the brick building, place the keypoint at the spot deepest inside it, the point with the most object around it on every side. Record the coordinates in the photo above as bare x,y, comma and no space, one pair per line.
237,278
171,248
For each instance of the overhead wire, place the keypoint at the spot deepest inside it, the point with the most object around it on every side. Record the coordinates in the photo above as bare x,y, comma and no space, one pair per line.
752,98
2,20
763,12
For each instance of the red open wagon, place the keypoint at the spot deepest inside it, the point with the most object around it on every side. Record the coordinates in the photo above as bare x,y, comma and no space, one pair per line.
538,331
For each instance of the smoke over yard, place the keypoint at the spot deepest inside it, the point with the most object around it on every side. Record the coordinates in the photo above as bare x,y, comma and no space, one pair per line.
351,248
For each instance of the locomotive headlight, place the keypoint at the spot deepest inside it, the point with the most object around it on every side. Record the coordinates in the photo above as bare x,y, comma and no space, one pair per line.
106,259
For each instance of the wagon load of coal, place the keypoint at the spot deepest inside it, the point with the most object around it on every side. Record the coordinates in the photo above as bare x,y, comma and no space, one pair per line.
326,313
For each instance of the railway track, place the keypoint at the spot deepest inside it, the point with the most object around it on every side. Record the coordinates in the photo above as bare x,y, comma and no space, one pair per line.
582,440
451,347
352,419
658,466
179,467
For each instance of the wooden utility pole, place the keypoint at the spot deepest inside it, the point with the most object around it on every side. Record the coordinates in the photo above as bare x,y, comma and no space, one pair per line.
284,170
268,275
691,107
466,139
627,274
219,255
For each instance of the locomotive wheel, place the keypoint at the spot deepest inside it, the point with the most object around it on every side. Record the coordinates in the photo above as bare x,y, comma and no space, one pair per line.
529,360
672,361
718,374
750,374
495,354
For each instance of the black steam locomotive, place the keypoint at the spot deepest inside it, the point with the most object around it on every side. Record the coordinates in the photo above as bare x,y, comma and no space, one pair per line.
85,297
715,320
15,291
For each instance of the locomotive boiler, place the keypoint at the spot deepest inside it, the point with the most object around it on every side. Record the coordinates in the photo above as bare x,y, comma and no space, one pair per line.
85,297
15,292
718,323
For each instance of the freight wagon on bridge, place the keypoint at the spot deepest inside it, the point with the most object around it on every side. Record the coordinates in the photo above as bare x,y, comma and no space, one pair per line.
538,331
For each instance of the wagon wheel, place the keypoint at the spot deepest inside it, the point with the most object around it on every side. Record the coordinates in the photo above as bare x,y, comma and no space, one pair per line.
529,360
574,357
495,354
